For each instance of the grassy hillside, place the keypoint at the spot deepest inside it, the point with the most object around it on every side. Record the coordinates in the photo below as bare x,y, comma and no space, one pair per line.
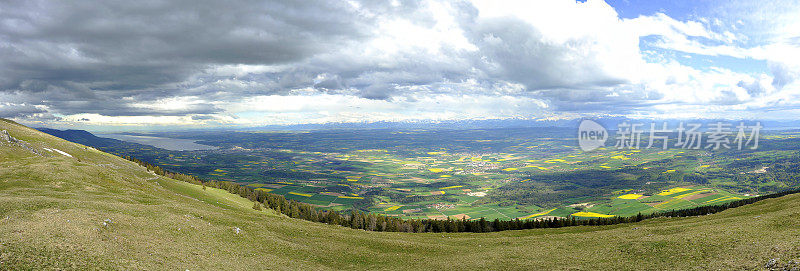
97,211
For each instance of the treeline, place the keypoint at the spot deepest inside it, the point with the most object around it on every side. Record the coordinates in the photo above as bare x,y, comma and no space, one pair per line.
166,173
376,222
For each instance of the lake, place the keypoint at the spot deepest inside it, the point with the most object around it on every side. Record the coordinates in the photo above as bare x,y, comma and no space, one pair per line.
173,144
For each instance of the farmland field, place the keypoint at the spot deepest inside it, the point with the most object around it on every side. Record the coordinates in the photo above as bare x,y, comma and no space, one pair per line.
505,173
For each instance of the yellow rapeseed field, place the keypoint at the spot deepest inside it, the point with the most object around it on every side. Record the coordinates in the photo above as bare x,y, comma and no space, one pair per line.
300,194
393,208
591,214
551,161
349,197
672,191
539,214
722,199
630,196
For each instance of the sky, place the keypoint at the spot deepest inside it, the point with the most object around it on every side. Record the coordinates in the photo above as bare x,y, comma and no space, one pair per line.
184,64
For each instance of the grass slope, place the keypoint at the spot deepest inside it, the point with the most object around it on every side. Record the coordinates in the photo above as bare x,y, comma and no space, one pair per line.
53,209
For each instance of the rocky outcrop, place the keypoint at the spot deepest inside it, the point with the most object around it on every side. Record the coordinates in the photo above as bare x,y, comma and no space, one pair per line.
777,265
6,138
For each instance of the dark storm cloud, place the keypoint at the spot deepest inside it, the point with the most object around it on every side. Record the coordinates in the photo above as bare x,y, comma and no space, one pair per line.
623,99
9,110
82,56
85,57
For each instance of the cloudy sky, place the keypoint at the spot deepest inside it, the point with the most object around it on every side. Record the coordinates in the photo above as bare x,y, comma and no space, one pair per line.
251,63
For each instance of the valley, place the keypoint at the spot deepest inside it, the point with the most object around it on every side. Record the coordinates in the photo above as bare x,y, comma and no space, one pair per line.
509,173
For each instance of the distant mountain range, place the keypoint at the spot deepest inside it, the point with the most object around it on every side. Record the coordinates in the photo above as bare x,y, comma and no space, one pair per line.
609,122
82,137
89,139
